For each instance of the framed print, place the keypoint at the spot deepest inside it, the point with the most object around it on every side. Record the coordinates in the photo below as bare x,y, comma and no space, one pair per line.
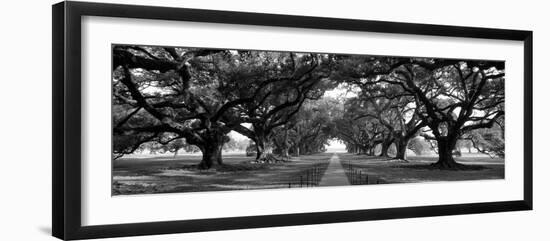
171,120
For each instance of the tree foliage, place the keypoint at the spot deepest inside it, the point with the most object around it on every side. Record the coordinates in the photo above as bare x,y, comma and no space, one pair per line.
450,97
173,98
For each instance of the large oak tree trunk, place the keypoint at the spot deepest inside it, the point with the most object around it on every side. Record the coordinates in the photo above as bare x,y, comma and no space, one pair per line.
445,147
211,155
371,151
359,150
264,151
285,147
385,147
364,150
211,148
285,152
401,148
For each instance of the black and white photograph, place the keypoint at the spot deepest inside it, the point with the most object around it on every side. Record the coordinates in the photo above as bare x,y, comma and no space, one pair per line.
275,120
192,119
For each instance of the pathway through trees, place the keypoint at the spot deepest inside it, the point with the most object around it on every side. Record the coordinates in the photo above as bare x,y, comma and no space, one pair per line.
335,174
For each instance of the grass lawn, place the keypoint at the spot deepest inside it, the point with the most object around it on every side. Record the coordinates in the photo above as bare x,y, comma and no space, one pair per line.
417,169
164,174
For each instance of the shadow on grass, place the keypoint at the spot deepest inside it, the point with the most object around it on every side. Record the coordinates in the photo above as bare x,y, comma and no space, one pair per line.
244,167
235,167
237,173
431,167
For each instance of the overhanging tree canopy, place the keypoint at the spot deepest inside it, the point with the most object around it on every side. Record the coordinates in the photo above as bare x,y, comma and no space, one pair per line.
164,95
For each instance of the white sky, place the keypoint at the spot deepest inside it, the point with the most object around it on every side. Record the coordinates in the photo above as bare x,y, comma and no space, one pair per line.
335,146
237,136
341,91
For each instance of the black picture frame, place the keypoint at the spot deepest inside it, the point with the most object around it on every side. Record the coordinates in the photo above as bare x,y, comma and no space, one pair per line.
66,141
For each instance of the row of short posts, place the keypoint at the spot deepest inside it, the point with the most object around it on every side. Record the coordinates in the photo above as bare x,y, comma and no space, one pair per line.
309,178
358,177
